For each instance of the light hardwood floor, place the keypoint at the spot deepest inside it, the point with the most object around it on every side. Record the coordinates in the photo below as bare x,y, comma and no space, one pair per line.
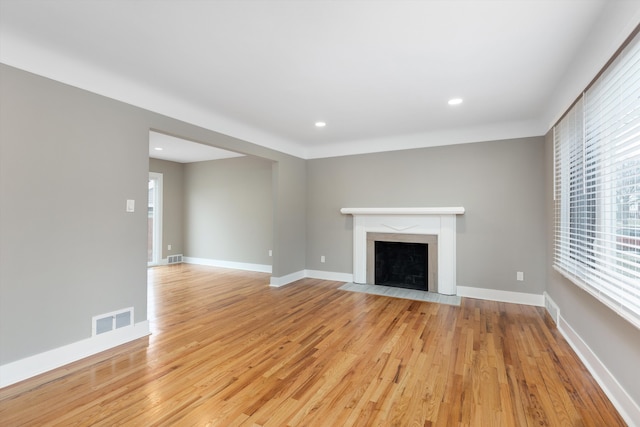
228,350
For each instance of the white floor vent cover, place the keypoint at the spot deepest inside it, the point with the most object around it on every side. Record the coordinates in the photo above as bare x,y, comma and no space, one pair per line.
174,259
110,321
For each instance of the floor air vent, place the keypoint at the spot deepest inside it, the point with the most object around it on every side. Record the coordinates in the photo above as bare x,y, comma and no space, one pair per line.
111,321
174,259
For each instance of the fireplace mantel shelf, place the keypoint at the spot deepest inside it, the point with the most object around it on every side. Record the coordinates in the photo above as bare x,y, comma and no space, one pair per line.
457,210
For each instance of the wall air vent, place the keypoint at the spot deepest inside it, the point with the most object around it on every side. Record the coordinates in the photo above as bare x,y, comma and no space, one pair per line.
174,259
110,321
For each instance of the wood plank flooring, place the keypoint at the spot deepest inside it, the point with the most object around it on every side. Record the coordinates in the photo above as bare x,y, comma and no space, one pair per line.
227,350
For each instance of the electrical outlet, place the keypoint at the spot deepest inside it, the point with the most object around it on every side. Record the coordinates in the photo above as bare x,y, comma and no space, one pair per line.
520,276
270,252
322,258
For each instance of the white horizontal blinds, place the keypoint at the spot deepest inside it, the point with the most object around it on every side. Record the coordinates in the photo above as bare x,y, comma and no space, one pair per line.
597,187
569,146
612,117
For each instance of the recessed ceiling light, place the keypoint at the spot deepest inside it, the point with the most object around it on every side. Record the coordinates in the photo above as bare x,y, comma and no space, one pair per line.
320,124
158,148
455,101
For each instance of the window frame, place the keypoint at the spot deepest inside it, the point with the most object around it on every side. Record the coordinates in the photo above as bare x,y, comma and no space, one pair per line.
596,144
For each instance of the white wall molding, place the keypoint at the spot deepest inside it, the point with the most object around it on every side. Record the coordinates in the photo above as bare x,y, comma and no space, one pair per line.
502,296
628,409
262,268
37,364
552,307
22,54
434,138
311,274
329,275
276,282
25,55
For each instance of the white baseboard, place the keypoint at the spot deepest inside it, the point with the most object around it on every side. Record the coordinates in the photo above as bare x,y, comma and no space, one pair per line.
329,275
628,409
502,296
276,282
312,274
262,268
31,366
552,307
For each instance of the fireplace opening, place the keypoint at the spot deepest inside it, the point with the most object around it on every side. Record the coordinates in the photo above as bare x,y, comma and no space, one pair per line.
425,245
401,265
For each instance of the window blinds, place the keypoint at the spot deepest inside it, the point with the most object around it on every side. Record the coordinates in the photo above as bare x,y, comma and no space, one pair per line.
597,187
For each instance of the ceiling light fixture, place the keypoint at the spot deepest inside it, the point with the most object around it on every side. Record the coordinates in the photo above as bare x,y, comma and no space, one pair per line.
455,101
158,148
320,124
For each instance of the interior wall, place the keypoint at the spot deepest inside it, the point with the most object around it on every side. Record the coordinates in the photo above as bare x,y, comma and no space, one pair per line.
172,205
499,183
229,210
69,250
613,340
290,195
70,160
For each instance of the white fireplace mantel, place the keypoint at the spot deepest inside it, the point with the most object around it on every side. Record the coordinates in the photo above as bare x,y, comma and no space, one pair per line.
403,211
440,221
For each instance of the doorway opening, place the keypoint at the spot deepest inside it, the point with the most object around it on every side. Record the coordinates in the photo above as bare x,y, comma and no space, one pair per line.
154,219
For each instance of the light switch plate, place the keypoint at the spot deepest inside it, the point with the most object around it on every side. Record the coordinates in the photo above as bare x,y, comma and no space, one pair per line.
131,205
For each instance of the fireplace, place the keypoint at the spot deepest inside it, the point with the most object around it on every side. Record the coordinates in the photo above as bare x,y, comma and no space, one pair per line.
403,260
401,265
435,226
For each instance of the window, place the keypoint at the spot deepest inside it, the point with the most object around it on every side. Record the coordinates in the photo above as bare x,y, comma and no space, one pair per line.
597,187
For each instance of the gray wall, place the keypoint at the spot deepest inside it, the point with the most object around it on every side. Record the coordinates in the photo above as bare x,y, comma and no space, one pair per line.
229,210
172,204
289,194
69,160
68,250
499,183
613,340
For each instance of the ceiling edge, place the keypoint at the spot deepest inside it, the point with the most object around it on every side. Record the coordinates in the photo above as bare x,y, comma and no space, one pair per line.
34,59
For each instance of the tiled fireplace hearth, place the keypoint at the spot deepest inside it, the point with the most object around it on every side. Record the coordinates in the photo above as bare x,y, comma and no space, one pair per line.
431,225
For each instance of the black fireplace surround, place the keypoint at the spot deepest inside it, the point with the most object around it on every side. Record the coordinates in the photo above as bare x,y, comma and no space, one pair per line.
401,265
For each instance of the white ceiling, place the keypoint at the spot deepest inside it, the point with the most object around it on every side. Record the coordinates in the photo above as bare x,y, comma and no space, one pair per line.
167,147
379,73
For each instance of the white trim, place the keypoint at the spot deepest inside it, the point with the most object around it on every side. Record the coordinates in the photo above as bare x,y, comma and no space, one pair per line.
502,296
433,138
20,53
262,268
329,275
457,210
37,364
437,221
628,409
552,307
276,282
157,223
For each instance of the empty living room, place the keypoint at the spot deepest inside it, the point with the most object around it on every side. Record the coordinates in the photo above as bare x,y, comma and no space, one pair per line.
320,213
